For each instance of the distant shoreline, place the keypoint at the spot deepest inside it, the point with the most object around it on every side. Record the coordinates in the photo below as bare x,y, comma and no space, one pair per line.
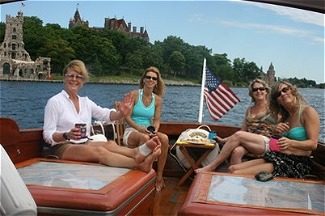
126,82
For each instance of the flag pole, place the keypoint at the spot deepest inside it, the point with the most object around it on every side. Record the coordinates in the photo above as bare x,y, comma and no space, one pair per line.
202,92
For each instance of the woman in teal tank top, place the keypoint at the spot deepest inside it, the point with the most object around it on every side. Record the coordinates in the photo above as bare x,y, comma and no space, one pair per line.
299,131
254,134
146,112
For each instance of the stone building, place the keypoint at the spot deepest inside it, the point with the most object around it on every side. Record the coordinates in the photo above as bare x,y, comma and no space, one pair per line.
111,24
270,75
77,21
15,62
120,25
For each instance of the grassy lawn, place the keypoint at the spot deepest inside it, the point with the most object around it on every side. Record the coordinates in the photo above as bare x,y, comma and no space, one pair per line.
128,79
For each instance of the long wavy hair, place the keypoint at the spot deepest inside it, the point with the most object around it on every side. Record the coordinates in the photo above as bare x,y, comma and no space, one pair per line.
276,108
159,88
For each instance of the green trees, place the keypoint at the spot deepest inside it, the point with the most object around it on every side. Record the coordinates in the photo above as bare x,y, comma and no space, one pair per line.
107,52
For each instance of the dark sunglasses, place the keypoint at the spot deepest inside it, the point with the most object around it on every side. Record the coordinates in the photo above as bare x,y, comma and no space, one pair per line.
284,90
152,78
260,89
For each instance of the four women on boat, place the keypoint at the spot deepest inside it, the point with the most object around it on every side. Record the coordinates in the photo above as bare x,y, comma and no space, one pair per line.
144,120
288,155
65,109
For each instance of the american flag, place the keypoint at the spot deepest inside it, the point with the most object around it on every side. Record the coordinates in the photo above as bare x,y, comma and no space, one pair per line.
219,97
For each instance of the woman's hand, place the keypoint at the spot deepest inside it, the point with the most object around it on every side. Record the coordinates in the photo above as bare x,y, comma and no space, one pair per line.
281,128
125,106
74,133
284,143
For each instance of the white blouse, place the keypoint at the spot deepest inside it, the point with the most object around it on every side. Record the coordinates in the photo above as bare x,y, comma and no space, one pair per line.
60,115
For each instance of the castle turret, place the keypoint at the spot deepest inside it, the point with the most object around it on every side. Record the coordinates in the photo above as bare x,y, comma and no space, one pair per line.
270,75
77,21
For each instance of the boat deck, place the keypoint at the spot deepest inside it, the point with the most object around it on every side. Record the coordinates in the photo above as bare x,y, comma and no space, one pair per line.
171,198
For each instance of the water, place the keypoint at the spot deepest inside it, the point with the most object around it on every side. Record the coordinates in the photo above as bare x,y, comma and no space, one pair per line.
25,102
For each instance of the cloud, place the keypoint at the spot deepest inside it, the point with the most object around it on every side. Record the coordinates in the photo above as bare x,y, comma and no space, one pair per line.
275,29
295,14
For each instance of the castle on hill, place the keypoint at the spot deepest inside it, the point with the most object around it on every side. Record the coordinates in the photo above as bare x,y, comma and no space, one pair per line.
111,24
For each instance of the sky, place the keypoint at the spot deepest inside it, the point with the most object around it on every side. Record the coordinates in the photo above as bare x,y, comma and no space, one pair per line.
291,39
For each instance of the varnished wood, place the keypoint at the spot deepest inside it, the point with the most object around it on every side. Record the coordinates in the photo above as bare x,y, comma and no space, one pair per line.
171,198
22,145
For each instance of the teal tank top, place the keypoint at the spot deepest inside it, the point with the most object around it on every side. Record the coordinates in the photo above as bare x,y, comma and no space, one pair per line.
141,114
297,133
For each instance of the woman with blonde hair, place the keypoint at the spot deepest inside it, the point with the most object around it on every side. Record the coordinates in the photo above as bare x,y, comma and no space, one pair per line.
255,131
144,120
65,110
299,130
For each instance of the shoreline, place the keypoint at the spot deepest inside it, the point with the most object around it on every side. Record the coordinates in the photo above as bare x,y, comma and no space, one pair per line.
126,82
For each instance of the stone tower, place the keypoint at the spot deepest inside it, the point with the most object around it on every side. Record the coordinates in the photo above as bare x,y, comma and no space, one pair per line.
15,61
13,44
270,75
77,21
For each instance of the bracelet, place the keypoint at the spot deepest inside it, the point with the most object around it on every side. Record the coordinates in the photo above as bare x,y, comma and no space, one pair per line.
65,136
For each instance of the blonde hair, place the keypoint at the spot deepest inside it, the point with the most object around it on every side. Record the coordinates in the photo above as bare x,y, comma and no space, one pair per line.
160,86
251,84
276,108
77,66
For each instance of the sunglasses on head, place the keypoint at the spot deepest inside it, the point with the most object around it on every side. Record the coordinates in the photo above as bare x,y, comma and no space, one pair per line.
258,89
152,78
284,90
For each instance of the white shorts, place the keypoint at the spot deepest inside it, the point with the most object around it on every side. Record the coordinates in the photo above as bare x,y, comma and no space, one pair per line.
266,144
126,135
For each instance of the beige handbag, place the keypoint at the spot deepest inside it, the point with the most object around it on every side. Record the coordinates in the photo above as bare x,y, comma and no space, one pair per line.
99,135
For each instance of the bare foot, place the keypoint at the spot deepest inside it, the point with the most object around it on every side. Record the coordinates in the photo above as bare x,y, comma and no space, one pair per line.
152,144
203,169
146,165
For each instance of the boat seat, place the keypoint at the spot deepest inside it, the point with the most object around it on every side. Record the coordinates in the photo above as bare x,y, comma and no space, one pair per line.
14,141
9,135
318,162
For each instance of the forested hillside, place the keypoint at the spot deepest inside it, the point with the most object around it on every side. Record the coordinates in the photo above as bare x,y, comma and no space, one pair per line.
109,52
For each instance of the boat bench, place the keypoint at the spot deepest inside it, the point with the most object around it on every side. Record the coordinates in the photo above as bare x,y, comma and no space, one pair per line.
62,187
213,193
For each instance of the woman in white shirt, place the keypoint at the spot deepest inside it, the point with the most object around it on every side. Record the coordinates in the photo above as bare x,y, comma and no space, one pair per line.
67,108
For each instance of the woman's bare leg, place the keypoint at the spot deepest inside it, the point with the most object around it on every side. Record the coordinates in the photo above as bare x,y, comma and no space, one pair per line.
162,160
135,138
146,165
111,146
237,155
97,154
255,169
252,142
246,164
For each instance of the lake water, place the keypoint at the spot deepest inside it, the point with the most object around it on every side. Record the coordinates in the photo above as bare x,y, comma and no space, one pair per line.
25,102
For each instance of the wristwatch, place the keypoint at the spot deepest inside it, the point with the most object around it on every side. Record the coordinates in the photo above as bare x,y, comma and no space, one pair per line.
65,136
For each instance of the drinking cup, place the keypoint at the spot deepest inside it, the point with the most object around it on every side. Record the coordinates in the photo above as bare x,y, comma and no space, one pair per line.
83,129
